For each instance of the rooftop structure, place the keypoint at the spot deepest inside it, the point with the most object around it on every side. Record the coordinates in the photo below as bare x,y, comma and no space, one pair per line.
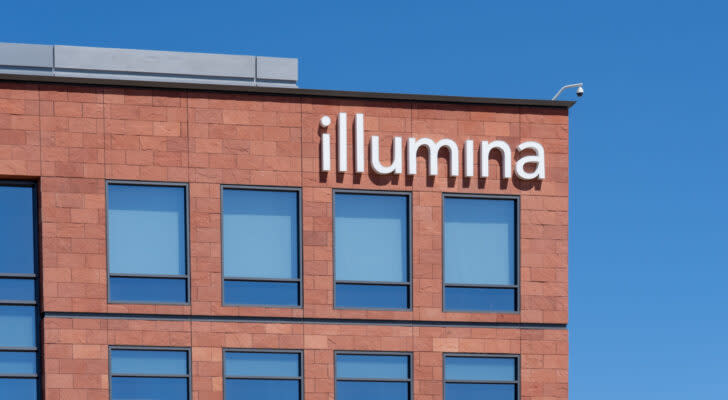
95,63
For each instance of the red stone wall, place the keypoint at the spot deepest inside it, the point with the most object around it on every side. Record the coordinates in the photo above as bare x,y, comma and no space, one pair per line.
77,351
73,138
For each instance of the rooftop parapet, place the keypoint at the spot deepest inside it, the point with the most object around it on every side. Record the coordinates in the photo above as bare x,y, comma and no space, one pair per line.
147,65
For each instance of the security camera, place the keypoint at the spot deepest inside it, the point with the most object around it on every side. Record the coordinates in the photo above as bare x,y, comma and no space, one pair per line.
578,86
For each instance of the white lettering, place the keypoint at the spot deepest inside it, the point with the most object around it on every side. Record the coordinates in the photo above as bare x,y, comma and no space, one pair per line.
325,152
396,166
325,145
505,150
540,171
433,148
341,142
359,143
468,158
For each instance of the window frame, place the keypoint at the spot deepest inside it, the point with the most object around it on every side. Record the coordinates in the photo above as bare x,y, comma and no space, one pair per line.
407,284
516,244
153,348
37,349
301,380
186,276
299,221
516,382
410,365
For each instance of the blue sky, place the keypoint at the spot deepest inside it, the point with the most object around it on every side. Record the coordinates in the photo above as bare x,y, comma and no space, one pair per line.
648,140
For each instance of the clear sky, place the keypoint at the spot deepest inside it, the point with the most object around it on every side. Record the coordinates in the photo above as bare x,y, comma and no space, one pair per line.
648,236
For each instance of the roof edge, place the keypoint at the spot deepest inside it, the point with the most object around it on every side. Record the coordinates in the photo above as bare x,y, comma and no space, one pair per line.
288,91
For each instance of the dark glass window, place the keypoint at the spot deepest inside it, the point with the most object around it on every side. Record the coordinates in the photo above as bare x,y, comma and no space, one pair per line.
17,289
147,243
481,377
373,376
18,324
149,374
260,233
19,388
371,241
263,375
480,245
17,231
19,361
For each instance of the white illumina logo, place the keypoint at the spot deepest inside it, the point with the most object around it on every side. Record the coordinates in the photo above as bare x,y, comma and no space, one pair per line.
538,172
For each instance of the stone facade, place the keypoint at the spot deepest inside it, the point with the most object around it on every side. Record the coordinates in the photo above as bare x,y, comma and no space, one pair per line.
71,139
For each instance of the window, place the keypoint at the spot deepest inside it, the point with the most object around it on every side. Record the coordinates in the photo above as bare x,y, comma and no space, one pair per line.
372,257
147,243
19,360
149,373
481,377
263,375
480,251
261,251
373,376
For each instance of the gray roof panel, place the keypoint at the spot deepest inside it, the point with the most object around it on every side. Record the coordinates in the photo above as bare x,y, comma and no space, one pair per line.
26,55
146,65
154,62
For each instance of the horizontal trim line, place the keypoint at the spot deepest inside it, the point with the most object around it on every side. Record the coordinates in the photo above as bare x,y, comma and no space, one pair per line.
10,275
477,286
19,349
162,376
17,302
373,380
160,75
373,283
291,91
290,320
264,280
267,378
147,276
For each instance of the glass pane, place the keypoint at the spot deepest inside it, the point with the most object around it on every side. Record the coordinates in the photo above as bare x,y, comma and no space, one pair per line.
372,390
469,391
262,364
259,389
18,362
25,389
17,289
372,366
148,290
149,362
148,388
479,241
147,231
260,234
371,296
18,326
480,369
261,293
480,299
17,249
371,238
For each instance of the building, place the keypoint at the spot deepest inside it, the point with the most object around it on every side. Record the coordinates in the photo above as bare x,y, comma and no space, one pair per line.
175,228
